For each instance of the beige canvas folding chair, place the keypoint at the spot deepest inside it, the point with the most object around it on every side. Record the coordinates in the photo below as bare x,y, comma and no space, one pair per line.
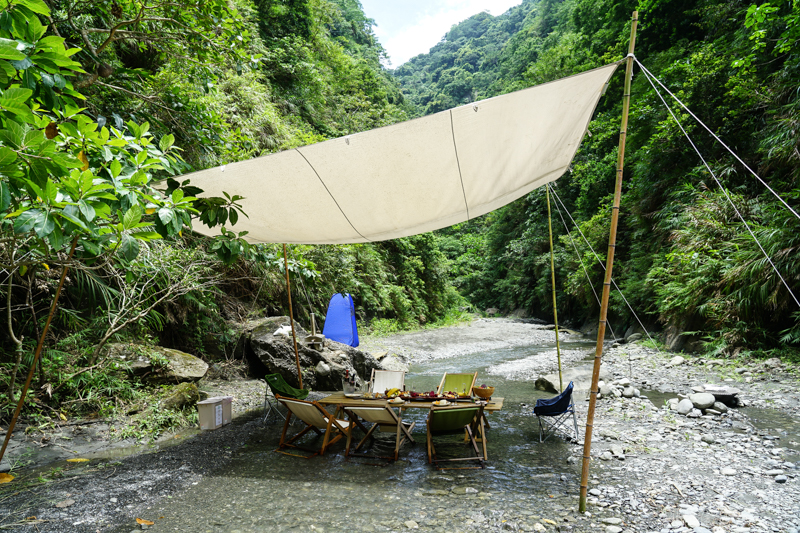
460,383
383,380
384,419
317,419
448,420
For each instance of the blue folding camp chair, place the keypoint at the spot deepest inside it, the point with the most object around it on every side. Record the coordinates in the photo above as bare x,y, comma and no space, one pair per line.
554,412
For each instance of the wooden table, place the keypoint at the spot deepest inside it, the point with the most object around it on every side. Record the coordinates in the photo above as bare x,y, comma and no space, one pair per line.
338,398
341,401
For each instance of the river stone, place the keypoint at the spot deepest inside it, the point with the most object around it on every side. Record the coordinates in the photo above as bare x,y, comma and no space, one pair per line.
721,407
677,360
156,364
691,521
581,376
780,479
491,311
322,369
394,362
702,400
728,471
410,524
182,396
613,529
612,521
708,438
633,338
684,407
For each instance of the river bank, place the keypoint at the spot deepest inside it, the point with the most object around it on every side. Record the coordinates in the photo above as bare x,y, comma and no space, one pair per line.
652,470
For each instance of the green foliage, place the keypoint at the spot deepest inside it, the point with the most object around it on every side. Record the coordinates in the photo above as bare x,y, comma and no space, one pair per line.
683,257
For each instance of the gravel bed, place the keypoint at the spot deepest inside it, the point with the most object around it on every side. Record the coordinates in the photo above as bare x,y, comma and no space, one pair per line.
652,469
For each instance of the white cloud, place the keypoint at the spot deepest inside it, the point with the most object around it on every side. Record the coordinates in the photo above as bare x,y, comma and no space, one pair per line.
421,30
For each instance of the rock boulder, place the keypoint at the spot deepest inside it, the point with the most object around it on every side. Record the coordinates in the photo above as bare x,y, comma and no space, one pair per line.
156,364
702,400
581,376
182,396
322,369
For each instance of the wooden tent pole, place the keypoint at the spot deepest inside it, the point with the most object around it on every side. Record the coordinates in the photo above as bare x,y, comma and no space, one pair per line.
291,317
612,242
553,279
39,346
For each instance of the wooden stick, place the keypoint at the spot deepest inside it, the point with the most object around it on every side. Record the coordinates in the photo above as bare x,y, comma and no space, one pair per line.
38,351
291,318
553,279
612,242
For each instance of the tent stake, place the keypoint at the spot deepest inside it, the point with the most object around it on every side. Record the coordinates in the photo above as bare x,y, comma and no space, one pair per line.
291,317
553,278
612,241
39,346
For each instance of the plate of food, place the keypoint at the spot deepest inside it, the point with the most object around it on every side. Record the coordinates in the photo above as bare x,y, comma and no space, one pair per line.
352,394
397,400
441,402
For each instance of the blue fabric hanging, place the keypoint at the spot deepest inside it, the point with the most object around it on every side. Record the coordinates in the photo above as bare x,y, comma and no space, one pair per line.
340,320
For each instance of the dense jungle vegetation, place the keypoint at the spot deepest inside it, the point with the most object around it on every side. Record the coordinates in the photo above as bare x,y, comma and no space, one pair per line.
684,259
105,104
102,105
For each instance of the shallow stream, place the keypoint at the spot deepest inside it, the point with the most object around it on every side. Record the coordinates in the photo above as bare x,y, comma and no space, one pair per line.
525,481
268,491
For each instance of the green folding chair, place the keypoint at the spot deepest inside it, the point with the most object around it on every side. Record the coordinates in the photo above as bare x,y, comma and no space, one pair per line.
278,386
456,420
460,383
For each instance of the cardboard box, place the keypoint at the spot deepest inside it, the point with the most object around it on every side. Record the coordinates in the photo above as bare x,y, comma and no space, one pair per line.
227,408
210,413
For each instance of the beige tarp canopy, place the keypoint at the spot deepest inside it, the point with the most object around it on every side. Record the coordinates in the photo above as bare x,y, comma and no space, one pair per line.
415,176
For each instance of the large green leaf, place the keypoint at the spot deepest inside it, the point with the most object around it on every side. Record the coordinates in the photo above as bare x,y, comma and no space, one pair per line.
166,215
5,196
132,217
56,238
25,221
146,235
87,210
14,99
13,134
9,51
129,247
70,213
43,224
51,41
7,156
37,6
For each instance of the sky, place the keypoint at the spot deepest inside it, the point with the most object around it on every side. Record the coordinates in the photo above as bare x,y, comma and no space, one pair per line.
407,28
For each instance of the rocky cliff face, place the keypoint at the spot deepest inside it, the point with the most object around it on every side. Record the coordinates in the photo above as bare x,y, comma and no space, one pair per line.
322,369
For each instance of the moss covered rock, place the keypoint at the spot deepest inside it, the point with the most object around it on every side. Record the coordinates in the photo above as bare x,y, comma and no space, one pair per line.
182,396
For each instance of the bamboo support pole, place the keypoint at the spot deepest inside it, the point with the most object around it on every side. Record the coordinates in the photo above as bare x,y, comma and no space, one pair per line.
291,317
612,242
553,279
38,353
